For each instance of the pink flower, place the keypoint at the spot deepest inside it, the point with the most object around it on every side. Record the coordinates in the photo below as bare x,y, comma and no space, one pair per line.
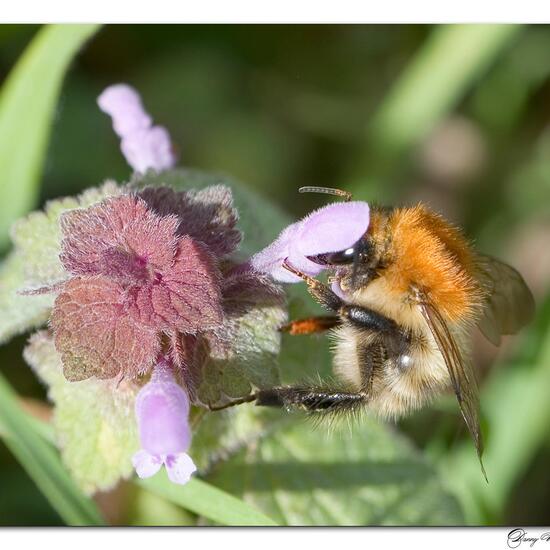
333,228
162,411
144,146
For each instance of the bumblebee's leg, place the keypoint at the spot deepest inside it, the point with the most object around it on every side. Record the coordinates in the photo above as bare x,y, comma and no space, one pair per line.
394,338
320,292
309,399
311,325
301,397
357,315
369,319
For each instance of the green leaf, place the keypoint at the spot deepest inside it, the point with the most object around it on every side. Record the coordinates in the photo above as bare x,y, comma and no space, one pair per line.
148,509
18,312
366,476
94,420
27,104
42,463
206,500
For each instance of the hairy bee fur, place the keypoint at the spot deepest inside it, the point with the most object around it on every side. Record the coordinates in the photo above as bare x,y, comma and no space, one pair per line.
412,248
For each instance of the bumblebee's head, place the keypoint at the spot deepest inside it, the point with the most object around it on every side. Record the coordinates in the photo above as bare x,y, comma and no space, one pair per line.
328,237
352,257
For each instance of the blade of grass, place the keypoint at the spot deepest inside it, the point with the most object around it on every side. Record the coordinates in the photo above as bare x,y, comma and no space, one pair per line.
42,463
27,104
197,496
450,61
206,500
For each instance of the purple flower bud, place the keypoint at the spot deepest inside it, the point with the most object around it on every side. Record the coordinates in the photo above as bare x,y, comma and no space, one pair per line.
143,145
162,411
332,228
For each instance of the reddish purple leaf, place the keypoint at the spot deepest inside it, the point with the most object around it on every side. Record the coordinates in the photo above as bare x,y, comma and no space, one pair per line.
188,296
119,237
207,215
94,334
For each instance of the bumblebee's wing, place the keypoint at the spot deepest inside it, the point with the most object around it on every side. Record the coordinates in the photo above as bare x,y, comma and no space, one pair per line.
460,371
509,304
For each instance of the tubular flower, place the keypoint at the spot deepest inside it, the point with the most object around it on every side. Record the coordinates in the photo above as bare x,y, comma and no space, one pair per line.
143,145
332,228
162,411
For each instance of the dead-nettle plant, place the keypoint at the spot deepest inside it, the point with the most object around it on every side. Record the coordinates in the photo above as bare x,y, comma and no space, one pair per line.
149,311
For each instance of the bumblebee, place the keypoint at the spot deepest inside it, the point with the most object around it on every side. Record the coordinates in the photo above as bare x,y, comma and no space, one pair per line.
402,304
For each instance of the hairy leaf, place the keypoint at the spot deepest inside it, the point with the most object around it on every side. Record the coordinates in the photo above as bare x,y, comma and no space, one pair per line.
365,476
207,215
19,313
93,419
93,334
259,220
243,350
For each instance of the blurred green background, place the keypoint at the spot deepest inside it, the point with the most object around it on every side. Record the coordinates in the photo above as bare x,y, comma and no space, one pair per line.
457,117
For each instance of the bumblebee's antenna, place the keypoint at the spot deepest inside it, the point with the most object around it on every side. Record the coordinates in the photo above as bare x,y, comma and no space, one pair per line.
346,195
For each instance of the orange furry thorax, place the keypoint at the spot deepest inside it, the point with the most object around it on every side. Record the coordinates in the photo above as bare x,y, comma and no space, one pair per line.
423,251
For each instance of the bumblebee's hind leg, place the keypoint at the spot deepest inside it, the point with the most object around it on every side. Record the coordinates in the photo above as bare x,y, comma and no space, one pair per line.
302,398
310,399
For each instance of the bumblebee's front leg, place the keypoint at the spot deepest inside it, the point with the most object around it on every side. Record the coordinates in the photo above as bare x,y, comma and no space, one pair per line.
320,292
356,315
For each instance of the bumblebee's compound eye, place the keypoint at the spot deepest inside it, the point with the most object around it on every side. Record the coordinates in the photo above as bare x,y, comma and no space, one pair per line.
343,257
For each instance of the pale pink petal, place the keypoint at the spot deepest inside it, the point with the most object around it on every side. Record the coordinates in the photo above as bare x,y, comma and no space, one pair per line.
270,259
180,468
332,228
145,464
